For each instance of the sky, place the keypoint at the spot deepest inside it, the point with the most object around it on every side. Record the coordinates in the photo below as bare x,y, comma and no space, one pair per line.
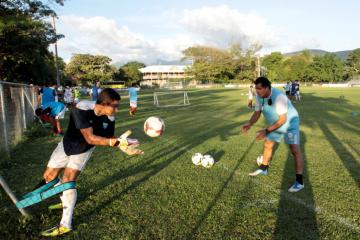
154,30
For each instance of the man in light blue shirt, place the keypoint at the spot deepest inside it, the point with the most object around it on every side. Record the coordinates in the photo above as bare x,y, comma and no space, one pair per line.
283,121
133,96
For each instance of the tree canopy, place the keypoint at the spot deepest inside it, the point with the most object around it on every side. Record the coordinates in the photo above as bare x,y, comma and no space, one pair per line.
129,72
87,68
217,65
25,38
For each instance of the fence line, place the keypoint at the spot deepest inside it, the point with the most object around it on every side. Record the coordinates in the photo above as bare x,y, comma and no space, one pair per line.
17,105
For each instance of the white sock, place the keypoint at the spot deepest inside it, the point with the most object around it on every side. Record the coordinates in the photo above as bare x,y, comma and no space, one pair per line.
68,200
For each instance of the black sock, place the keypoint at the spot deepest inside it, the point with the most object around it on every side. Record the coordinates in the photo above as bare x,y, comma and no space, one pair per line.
299,178
41,183
264,167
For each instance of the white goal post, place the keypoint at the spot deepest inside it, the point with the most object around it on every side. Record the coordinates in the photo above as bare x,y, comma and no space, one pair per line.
171,99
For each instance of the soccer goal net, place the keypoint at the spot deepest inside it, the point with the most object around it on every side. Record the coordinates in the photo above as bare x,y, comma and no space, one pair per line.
171,98
171,85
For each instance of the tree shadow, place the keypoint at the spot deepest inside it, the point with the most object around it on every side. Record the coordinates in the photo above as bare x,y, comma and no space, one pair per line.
193,233
294,219
175,151
216,154
324,115
348,160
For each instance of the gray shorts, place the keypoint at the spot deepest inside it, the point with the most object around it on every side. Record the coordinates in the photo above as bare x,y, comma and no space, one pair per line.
59,159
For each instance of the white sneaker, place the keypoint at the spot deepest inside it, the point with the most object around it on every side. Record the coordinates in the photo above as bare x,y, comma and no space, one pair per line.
296,187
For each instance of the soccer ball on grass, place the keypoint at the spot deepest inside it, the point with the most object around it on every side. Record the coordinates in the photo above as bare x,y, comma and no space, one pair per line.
207,161
196,159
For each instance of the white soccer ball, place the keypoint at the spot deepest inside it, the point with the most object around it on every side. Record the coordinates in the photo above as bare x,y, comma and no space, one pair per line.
259,160
196,158
207,161
154,126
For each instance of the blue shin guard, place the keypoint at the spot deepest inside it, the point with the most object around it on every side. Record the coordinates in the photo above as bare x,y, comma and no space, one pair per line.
44,192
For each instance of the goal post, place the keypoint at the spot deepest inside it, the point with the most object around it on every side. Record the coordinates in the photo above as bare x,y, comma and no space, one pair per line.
171,99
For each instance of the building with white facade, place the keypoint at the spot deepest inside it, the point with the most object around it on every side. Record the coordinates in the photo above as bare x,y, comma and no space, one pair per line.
163,75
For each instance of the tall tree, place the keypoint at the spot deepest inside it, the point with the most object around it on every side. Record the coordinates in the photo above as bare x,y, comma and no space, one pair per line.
25,38
353,63
272,64
130,73
327,68
87,68
294,67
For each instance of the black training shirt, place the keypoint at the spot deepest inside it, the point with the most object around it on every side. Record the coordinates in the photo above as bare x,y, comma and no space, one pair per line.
74,142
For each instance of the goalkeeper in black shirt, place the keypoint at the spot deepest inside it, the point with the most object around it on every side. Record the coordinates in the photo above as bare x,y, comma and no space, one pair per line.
91,124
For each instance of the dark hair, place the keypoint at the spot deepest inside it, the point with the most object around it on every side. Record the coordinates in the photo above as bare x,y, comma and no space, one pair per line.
107,96
265,83
133,84
38,112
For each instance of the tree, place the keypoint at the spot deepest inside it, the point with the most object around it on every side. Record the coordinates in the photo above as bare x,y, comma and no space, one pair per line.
353,63
130,73
327,68
25,38
272,63
294,67
216,65
86,68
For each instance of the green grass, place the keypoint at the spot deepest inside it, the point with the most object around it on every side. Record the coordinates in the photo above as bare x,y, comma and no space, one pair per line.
162,195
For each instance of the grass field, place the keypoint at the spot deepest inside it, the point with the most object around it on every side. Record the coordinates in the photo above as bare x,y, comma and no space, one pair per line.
162,195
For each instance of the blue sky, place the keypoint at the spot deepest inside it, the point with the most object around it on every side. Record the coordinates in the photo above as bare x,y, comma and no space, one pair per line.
150,30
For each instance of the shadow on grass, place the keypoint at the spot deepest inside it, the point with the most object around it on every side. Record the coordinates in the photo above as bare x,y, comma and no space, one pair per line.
173,152
217,196
348,160
294,220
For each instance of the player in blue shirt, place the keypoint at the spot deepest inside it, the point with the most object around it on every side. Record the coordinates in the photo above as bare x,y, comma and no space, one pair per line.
54,110
47,94
133,96
283,121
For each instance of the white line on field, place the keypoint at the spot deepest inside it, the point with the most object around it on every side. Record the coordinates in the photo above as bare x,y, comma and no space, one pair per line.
341,220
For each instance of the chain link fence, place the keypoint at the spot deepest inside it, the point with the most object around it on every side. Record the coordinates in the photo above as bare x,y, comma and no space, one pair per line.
17,105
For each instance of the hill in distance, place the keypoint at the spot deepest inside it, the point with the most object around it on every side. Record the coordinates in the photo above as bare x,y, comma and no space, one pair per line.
318,52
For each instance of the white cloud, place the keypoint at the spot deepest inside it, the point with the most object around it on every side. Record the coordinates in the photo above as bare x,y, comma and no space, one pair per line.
217,26
222,25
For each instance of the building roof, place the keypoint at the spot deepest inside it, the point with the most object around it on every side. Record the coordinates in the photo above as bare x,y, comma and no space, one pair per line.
163,68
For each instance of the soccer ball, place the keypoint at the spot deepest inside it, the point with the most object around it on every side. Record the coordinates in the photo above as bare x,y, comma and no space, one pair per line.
207,161
154,126
196,158
259,160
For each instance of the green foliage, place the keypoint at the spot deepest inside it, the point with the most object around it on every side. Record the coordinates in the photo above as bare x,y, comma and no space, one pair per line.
304,67
129,72
272,63
353,63
216,65
327,68
87,68
25,38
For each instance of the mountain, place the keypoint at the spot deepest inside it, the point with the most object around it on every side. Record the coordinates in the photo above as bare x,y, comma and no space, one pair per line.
318,52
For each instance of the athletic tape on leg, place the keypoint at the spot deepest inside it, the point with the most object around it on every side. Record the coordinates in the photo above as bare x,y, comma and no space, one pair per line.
38,197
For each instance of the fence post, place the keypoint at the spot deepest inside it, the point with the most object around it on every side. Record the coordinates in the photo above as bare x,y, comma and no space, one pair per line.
23,106
12,196
3,117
